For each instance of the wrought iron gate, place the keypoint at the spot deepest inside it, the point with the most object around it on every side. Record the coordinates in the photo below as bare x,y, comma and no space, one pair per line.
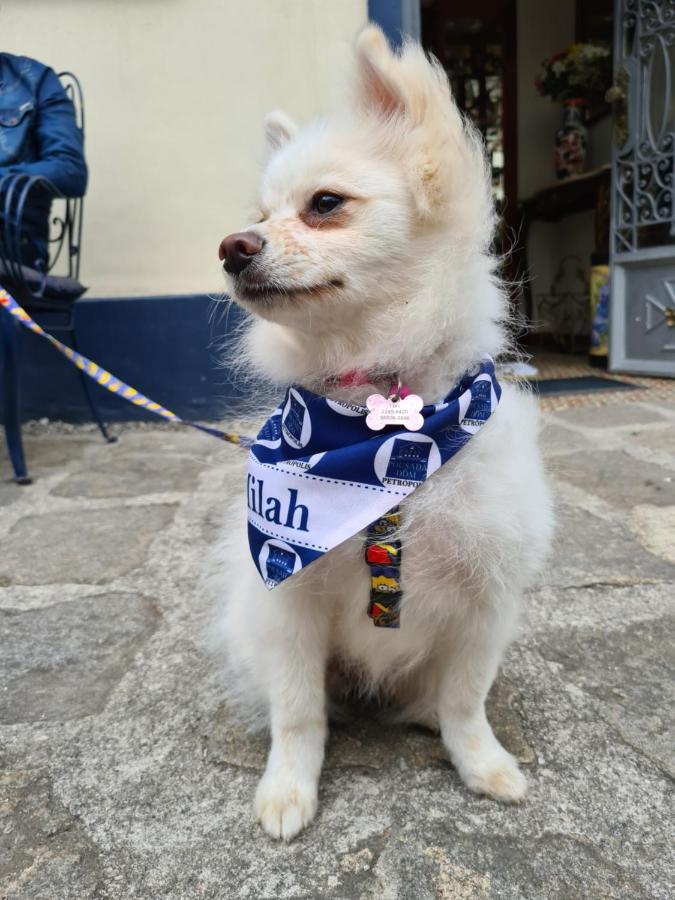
642,333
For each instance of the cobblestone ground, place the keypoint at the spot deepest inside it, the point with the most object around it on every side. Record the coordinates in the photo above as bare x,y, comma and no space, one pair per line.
123,776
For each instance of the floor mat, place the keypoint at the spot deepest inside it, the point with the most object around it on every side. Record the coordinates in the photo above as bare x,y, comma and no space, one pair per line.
581,385
563,367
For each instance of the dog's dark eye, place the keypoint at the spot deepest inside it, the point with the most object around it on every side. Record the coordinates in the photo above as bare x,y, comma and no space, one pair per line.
324,202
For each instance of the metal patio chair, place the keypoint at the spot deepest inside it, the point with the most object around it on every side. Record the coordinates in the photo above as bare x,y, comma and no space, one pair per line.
49,298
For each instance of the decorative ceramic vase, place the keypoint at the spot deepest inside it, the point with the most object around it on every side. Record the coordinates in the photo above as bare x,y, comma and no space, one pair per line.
570,140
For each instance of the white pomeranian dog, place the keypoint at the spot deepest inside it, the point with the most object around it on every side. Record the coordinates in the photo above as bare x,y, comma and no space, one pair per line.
372,254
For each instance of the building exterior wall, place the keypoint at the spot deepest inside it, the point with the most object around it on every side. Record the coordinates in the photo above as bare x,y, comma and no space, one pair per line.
175,93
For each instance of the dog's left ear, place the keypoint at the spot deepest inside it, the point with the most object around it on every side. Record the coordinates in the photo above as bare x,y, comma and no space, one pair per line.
279,129
410,94
376,89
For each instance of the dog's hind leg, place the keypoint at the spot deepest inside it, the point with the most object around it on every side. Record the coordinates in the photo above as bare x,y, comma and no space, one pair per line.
287,795
481,761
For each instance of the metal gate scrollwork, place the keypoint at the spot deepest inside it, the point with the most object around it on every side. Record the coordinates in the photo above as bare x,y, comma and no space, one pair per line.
644,164
643,213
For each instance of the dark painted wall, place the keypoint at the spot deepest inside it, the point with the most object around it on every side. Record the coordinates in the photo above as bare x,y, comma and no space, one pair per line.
387,14
169,348
396,17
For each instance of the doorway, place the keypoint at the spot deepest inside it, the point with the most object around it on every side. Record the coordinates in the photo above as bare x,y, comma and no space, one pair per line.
475,42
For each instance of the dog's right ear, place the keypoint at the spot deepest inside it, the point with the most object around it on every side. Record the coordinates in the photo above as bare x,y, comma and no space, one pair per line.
279,129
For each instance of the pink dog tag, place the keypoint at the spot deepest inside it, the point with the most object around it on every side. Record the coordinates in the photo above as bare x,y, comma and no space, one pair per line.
404,412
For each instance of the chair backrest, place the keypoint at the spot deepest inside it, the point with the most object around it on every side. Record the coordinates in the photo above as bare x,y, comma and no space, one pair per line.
68,230
71,85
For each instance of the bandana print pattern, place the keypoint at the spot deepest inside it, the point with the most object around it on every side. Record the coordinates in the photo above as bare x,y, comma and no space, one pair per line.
318,475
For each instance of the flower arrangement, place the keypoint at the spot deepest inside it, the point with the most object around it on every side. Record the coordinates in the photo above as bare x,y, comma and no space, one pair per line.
581,72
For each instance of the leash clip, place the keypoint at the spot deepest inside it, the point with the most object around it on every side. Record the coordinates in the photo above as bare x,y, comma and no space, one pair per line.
395,395
402,391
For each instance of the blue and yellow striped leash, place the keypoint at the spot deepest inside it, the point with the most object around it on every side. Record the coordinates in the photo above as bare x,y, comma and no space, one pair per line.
111,382
382,550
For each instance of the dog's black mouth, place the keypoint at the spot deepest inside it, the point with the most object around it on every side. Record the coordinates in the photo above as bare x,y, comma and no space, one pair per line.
264,291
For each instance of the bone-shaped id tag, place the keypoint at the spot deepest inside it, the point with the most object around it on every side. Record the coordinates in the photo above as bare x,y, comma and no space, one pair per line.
404,412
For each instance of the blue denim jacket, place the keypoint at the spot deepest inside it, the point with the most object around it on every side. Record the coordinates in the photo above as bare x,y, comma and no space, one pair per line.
39,135
38,131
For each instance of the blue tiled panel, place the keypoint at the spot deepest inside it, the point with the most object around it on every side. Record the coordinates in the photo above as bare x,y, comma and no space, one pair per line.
172,348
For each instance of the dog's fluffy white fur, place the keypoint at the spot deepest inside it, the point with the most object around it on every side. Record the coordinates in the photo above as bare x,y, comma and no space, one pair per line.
399,279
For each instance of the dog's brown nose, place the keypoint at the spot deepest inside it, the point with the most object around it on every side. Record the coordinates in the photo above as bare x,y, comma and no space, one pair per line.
238,249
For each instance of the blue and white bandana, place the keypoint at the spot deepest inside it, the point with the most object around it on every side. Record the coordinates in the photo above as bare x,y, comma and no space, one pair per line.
318,475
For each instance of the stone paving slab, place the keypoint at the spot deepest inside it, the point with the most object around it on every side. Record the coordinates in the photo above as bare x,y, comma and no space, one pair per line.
86,546
558,439
590,550
598,418
59,450
9,493
46,853
659,439
618,478
83,648
632,672
654,527
120,475
124,775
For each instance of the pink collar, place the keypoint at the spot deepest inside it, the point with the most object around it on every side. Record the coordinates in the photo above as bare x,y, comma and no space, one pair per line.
357,378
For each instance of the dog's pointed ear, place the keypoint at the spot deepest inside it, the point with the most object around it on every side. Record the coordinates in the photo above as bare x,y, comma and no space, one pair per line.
279,129
376,90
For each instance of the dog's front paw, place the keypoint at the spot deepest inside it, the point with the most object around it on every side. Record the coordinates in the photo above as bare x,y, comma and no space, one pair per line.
284,805
500,780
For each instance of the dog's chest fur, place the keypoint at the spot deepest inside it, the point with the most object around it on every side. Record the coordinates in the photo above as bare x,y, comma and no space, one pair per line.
465,530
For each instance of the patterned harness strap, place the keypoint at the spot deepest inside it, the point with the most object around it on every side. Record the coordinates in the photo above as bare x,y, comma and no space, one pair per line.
383,556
